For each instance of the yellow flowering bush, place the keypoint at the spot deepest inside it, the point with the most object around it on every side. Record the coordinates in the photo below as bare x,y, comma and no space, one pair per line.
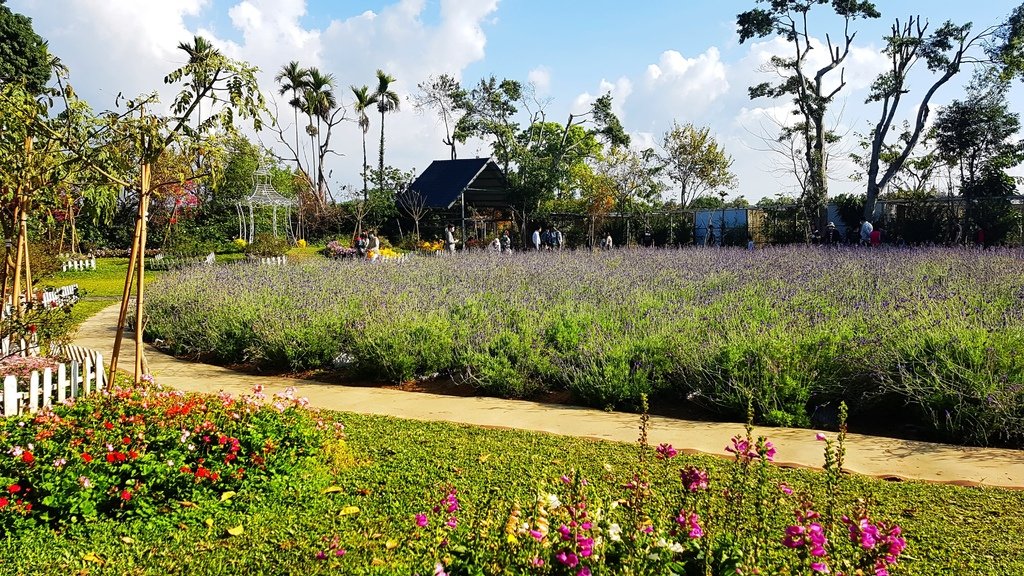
434,246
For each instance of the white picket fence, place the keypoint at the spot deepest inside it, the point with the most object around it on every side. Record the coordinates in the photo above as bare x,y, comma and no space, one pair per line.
79,264
19,346
80,376
272,260
63,295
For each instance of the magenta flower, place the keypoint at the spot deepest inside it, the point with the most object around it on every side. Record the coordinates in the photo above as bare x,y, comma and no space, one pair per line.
665,452
820,567
694,479
421,520
785,489
567,558
690,522
820,437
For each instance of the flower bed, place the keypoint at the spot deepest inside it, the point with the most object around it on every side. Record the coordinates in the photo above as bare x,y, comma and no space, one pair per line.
927,339
133,451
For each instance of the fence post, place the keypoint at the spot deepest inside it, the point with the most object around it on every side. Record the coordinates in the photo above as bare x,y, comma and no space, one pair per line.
33,392
87,374
47,386
11,396
100,375
62,382
75,379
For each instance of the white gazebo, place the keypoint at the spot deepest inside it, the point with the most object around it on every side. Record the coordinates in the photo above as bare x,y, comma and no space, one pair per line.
263,195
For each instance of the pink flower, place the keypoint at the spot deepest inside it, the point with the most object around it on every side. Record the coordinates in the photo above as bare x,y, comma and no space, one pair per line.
567,558
536,562
421,520
820,567
665,452
694,479
536,535
785,489
820,437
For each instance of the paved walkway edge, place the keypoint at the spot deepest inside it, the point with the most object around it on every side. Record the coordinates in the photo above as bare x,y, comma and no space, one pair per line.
880,457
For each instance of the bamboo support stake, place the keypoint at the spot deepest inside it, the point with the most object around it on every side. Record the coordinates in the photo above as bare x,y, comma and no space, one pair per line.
140,289
123,316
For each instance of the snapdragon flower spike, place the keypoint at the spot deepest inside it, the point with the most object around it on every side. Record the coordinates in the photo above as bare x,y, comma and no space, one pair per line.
694,479
665,452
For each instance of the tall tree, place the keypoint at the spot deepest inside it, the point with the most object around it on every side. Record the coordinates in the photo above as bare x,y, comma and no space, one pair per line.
695,161
319,102
387,102
945,52
790,19
363,102
293,78
976,134
24,58
444,95
634,178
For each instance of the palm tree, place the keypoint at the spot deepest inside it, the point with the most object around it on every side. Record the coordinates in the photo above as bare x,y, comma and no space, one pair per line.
363,101
293,78
318,102
387,101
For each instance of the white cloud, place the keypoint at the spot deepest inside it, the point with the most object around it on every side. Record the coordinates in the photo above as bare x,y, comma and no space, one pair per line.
540,77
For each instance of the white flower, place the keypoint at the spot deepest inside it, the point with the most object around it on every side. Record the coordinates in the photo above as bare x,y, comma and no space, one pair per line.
653,556
607,467
661,543
553,501
191,447
676,547
615,532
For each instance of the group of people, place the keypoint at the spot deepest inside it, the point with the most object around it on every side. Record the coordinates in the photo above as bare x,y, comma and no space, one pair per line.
365,242
864,235
549,239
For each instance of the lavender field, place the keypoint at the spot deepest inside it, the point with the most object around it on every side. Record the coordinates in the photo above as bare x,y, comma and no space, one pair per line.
927,340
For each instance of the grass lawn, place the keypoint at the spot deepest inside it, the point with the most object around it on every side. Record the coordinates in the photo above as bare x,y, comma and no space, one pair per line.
103,286
402,468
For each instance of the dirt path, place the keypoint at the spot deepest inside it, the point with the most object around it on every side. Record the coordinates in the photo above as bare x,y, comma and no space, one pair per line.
869,455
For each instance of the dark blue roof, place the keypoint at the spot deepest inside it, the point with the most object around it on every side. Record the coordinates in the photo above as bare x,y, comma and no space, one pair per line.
444,181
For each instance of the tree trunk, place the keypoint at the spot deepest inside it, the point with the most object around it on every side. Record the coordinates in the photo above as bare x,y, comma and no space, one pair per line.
380,175
366,196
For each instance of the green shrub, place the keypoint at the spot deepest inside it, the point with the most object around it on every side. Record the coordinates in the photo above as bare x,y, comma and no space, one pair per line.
267,245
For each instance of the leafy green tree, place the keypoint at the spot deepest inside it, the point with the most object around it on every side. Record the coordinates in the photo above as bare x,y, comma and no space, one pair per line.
695,161
977,136
387,102
976,133
24,58
791,19
634,179
363,102
1007,49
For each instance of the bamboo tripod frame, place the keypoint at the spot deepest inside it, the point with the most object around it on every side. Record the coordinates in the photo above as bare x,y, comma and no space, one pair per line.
136,275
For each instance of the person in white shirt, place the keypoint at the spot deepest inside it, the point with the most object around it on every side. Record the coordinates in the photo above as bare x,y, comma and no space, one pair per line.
449,238
865,232
536,239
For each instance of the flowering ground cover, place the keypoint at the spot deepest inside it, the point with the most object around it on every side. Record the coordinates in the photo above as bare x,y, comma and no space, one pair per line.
924,339
412,495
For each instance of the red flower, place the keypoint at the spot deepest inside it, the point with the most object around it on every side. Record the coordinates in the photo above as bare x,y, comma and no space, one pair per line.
133,454
87,457
185,470
14,488
4,502
28,506
108,425
126,440
32,328
111,457
126,495
27,457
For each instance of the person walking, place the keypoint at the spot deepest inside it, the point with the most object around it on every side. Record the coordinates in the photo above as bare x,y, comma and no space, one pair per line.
557,239
506,242
449,238
536,239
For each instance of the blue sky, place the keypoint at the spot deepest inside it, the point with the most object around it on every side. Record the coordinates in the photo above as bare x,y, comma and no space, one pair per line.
662,60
